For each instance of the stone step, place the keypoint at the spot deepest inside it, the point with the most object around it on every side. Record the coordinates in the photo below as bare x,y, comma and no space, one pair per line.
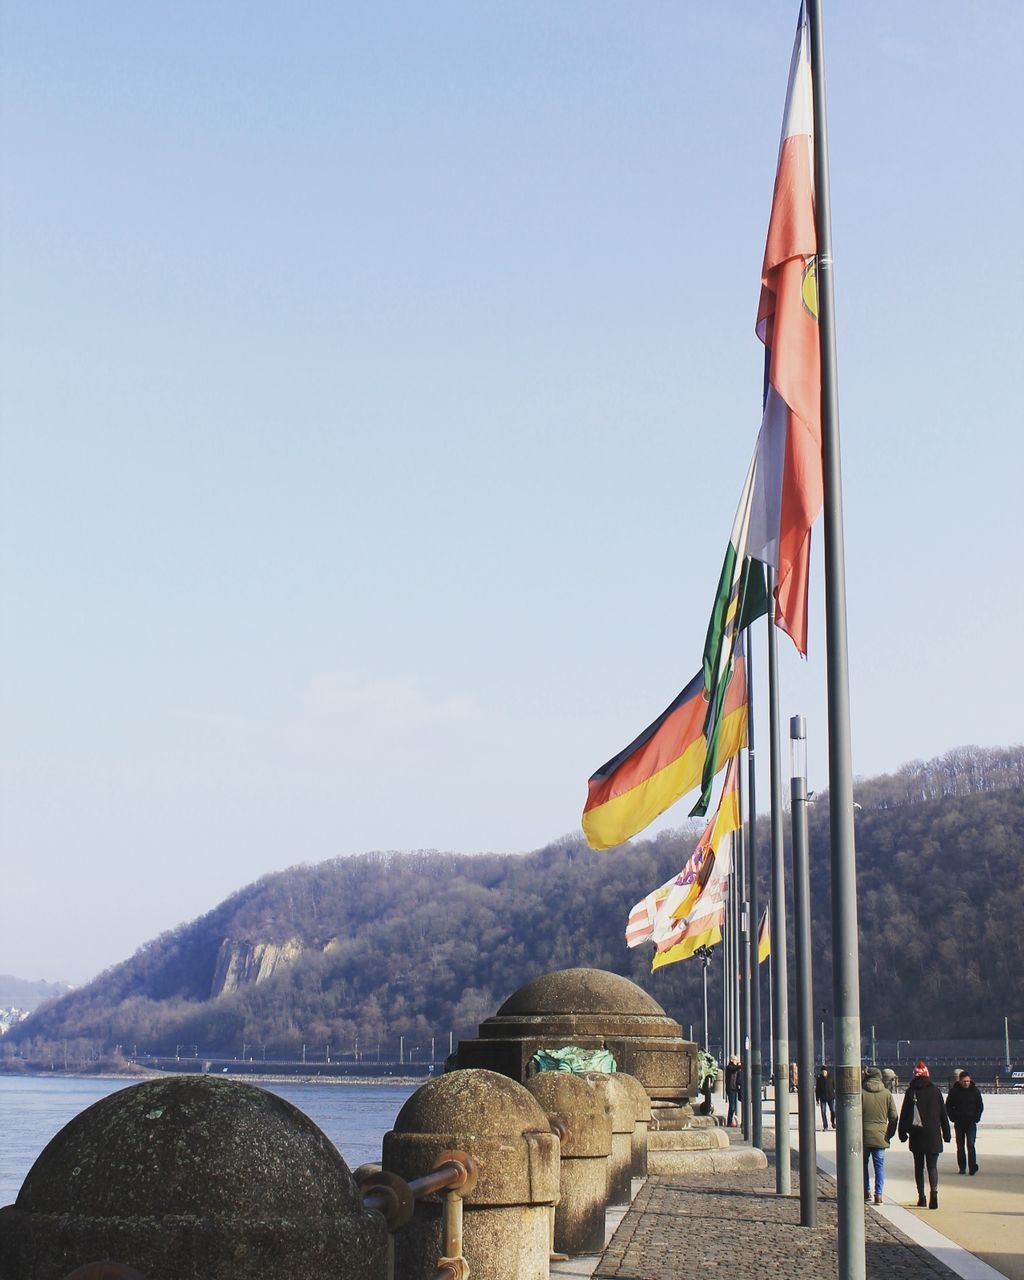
732,1160
687,1140
671,1123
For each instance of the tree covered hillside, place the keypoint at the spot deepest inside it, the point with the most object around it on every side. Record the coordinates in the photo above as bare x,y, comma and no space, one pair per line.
423,944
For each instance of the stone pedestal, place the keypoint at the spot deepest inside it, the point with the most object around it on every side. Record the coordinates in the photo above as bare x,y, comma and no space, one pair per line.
591,1009
507,1215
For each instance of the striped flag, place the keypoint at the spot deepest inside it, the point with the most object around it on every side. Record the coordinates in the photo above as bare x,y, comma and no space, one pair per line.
764,938
662,916
724,821
664,762
703,926
788,481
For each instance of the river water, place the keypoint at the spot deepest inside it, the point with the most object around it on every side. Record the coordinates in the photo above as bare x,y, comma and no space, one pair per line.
33,1108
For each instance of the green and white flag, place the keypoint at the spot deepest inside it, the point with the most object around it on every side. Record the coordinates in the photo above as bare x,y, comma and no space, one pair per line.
741,598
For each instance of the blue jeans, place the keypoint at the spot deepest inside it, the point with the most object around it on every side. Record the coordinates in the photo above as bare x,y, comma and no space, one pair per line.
830,1107
874,1156
733,1095
965,1136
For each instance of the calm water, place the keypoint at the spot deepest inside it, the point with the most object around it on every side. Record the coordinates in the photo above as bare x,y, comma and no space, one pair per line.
32,1109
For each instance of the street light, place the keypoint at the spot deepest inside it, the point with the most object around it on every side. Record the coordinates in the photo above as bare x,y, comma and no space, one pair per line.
898,1043
705,953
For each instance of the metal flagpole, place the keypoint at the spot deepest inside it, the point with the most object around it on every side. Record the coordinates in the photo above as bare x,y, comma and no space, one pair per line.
845,957
743,969
771,1026
750,959
725,986
804,995
778,961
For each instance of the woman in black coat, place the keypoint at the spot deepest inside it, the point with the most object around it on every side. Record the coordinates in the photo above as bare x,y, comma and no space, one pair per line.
924,1121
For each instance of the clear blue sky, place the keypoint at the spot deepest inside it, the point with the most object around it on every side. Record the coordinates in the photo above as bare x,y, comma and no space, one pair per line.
377,386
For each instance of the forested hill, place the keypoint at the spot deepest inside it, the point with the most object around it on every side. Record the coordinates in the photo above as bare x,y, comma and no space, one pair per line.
421,944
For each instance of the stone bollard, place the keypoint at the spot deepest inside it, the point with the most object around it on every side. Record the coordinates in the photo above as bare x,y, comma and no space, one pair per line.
583,1182
618,1102
641,1119
506,1217
191,1178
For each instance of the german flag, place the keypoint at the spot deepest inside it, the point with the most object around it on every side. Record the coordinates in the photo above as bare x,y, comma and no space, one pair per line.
664,762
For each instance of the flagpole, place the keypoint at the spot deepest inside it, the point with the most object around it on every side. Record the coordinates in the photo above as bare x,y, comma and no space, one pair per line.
778,960
845,958
743,970
752,962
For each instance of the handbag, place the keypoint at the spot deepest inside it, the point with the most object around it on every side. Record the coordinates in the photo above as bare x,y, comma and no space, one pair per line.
915,1120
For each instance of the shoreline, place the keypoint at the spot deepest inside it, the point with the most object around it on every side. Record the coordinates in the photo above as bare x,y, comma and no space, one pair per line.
151,1073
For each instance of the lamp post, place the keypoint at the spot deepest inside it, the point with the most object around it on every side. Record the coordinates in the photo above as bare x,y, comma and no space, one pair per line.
705,953
898,1043
804,985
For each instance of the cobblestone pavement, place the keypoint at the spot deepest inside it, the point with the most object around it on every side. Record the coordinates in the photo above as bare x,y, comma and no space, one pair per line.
736,1227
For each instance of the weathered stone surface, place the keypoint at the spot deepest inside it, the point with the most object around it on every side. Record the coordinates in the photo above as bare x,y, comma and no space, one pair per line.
191,1178
570,1097
730,1160
496,1120
592,1009
507,1216
583,1180
618,1101
641,1121
687,1140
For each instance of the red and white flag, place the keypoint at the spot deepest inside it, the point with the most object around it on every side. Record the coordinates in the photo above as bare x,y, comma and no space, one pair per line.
788,487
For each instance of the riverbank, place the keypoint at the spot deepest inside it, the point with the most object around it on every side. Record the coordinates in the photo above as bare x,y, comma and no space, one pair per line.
134,1074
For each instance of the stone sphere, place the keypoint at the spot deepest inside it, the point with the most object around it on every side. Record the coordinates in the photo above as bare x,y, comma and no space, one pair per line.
190,1176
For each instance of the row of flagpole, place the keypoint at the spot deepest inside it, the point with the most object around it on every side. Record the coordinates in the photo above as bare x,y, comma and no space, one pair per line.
795,473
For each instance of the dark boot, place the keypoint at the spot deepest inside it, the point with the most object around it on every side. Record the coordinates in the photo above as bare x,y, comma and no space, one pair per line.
933,1199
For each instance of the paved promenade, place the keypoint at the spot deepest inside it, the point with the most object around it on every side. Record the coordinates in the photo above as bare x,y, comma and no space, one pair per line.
737,1228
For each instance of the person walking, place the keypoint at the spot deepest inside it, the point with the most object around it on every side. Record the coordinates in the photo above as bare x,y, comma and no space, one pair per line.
879,1119
733,1074
964,1107
825,1093
923,1120
889,1079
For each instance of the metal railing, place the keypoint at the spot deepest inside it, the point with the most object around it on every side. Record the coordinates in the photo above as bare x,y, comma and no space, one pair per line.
455,1173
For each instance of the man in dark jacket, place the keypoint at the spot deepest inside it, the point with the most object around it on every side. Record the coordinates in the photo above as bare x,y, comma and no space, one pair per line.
733,1075
964,1107
924,1121
825,1093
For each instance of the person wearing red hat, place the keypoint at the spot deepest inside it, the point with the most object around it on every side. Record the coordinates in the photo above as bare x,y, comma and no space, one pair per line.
923,1120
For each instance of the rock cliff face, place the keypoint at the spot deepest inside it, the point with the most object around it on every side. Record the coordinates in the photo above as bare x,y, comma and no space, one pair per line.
244,964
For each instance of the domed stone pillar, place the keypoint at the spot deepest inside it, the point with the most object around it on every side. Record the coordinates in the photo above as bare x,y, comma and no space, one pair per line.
583,1181
591,1009
192,1178
506,1232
